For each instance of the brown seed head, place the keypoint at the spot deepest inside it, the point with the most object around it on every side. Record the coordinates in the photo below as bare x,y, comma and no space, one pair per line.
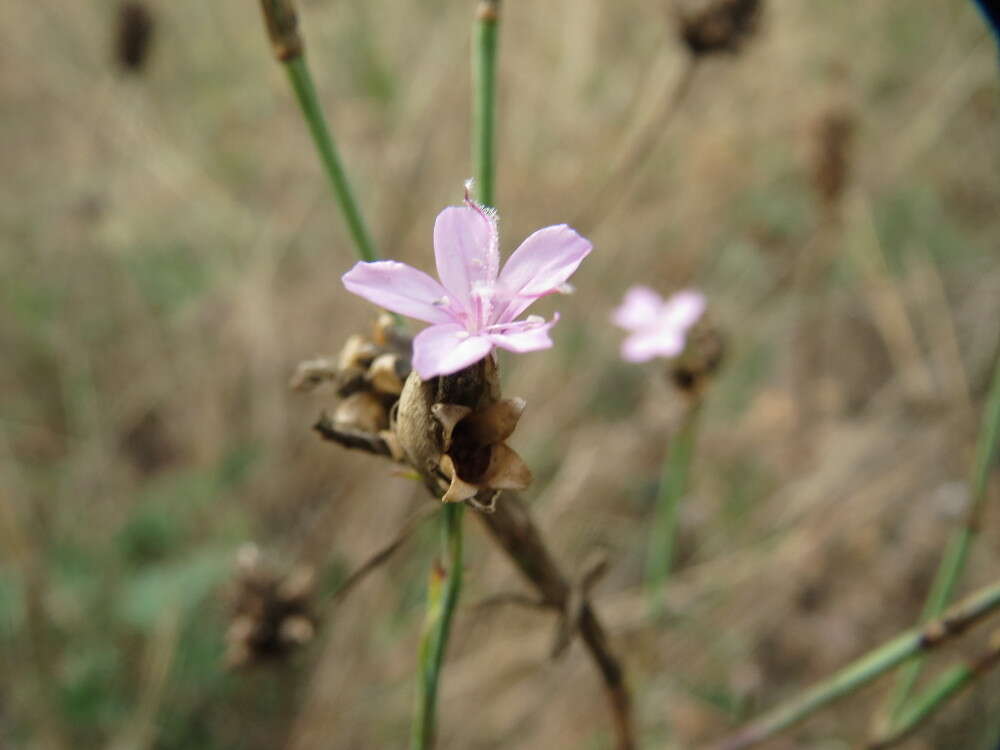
270,612
282,28
711,26
692,371
133,35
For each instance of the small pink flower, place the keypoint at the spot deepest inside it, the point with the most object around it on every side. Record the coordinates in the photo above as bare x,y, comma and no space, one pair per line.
657,327
475,306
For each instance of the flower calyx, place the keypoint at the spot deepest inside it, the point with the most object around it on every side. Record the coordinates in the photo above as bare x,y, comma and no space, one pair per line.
453,431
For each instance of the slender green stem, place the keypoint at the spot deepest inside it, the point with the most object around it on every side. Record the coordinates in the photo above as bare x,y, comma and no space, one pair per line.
945,687
904,646
957,549
282,23
484,51
305,92
446,584
673,486
443,589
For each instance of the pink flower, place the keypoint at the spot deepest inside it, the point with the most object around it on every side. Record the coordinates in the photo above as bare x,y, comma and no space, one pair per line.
657,327
475,306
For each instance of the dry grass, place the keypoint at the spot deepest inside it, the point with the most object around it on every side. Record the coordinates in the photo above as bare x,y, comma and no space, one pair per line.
169,252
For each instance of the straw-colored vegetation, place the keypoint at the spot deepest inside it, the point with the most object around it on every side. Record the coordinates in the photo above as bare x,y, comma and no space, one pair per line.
170,251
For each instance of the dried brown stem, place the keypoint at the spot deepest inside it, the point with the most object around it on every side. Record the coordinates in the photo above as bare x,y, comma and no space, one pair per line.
349,437
514,599
514,530
630,163
384,553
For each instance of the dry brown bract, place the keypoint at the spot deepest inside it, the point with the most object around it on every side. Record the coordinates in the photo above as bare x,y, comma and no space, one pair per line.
453,429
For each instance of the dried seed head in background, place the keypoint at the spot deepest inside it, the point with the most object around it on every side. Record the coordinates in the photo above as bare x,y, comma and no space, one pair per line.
831,140
692,371
710,26
270,612
133,35
282,28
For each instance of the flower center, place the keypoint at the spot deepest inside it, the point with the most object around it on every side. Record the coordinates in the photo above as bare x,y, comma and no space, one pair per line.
481,302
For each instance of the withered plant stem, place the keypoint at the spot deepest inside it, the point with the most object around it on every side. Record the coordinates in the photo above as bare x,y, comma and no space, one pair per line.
630,163
957,549
351,438
905,646
382,555
514,530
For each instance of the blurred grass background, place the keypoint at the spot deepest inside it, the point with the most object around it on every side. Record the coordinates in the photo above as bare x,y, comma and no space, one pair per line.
170,252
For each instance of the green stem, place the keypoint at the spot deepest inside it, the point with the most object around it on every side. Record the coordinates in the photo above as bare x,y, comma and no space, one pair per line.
443,589
905,646
673,486
946,686
446,584
484,53
957,550
305,92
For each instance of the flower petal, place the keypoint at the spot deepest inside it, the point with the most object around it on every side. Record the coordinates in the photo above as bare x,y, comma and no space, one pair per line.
540,266
466,250
447,348
523,335
644,345
399,288
639,309
683,309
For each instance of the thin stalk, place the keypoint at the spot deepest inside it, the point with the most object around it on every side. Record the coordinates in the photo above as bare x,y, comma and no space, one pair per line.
282,27
945,687
673,486
957,550
443,589
484,52
445,584
305,92
633,158
862,671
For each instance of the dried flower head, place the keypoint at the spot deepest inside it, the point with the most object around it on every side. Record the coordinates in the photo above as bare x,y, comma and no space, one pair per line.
452,430
701,358
475,306
832,136
367,375
710,26
270,612
657,327
133,35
